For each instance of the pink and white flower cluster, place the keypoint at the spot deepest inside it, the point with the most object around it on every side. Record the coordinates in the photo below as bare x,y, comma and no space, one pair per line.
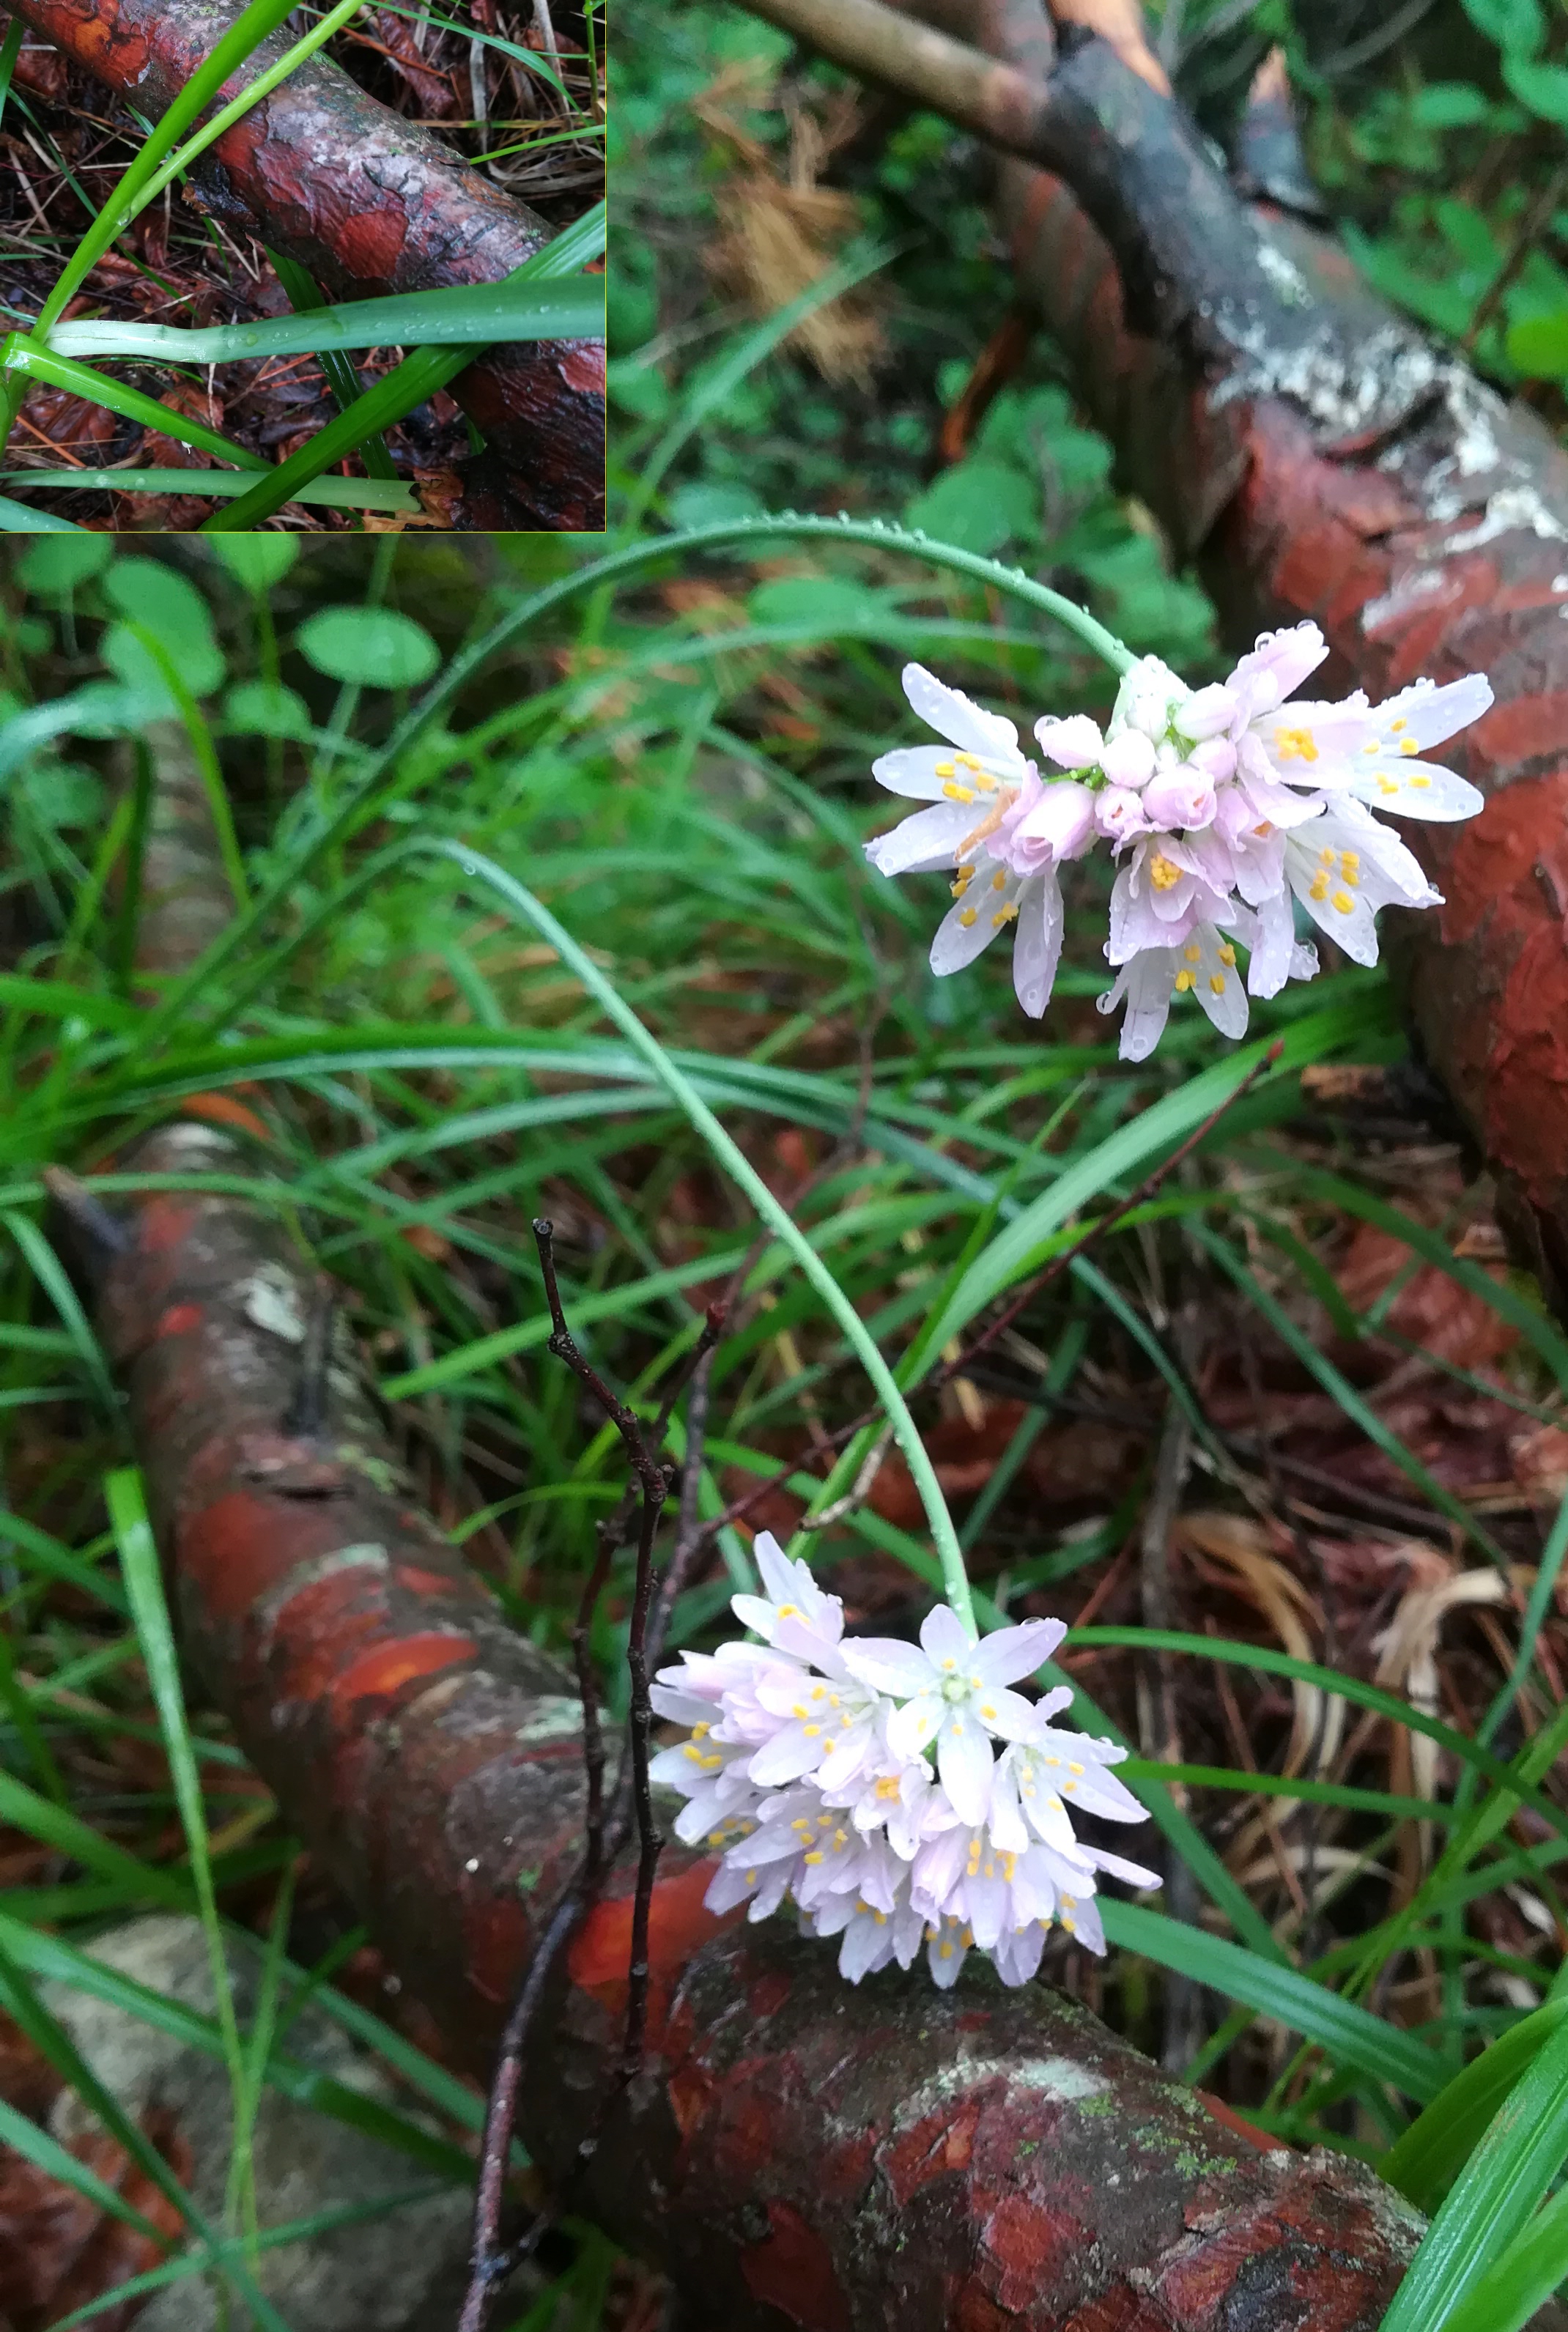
1224,805
899,1795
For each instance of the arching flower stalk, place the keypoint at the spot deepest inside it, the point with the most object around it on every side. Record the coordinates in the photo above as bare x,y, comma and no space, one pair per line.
903,1797
1226,807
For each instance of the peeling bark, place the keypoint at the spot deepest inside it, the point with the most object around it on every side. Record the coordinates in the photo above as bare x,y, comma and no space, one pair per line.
1317,455
370,204
796,2152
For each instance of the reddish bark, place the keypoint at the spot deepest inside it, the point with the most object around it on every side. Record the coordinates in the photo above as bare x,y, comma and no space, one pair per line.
1317,455
371,204
796,2152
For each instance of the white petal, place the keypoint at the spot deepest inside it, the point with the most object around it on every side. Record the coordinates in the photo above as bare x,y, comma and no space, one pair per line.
1037,942
887,1665
965,931
929,838
1146,983
1416,789
1017,1956
945,1956
910,1728
1011,1653
956,718
1273,940
1117,1866
1217,983
912,772
964,1761
865,1946
1430,715
944,1639
1006,1714
1351,928
785,1758
779,1573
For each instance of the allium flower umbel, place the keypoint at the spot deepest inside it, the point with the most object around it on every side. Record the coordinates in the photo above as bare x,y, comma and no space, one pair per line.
902,1796
1227,808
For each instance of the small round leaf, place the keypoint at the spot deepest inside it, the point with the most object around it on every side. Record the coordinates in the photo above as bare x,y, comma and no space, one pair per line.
375,647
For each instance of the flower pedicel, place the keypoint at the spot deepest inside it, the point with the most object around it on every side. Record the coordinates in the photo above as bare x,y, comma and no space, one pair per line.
1225,805
900,1795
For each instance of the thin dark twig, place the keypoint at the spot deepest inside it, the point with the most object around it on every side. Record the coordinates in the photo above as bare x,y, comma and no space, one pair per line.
690,1540
654,1486
490,2260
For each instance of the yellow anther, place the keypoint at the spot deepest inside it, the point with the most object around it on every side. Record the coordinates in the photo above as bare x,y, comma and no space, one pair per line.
1071,1926
1326,857
955,792
999,879
1395,726
1075,1769
812,1731
888,1787
1069,1902
966,761
1419,782
988,1714
1320,888
1408,749
1163,873
1387,785
946,1952
1184,983
1192,954
815,1855
1216,982
1372,747
1004,914
1295,744
967,1938
799,1709
1343,902
751,1878
970,918
1010,1864
1227,955
947,770
824,1821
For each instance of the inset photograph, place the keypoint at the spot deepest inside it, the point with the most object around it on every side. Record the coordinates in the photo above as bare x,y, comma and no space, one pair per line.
325,269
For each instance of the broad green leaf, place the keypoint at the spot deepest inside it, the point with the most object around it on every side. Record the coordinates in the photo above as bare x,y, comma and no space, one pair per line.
374,646
1538,345
1517,26
55,569
979,504
1542,88
165,603
259,561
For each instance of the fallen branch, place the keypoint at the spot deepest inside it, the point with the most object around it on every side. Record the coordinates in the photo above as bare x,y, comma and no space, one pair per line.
370,204
792,2149
850,2157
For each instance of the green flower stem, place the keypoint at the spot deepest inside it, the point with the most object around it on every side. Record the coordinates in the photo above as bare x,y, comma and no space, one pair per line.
955,1579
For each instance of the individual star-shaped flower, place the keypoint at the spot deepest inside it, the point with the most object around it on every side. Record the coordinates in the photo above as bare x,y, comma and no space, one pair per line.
955,1693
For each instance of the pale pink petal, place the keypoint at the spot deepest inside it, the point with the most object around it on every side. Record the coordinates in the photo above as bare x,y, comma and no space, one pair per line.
1072,744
